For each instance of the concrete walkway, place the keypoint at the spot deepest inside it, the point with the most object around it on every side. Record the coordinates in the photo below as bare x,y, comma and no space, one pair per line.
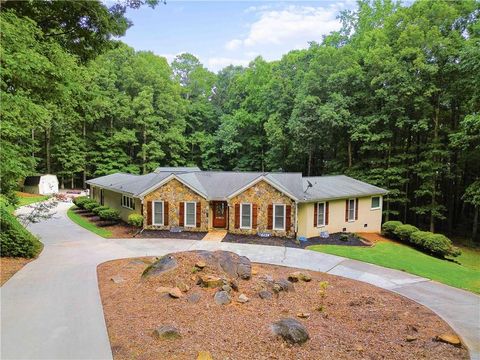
215,235
51,309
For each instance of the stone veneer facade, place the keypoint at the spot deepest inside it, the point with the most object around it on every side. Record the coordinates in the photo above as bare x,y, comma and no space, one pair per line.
262,194
175,192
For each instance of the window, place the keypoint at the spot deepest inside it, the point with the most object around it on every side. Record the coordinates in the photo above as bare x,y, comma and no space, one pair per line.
321,214
246,216
190,213
157,212
351,209
375,202
128,202
278,217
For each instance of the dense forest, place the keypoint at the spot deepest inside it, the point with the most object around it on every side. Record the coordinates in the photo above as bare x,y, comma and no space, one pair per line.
392,98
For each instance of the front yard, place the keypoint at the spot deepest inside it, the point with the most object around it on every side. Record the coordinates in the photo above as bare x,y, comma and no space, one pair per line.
463,272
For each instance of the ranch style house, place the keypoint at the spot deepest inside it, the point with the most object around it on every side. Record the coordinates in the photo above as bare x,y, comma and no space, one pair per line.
280,204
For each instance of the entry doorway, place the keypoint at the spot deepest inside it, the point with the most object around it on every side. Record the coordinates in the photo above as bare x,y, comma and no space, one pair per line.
220,214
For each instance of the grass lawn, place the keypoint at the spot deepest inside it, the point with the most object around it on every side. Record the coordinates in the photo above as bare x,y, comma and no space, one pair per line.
83,222
22,201
464,274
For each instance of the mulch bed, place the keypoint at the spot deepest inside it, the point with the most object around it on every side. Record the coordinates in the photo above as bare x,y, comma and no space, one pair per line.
357,320
165,234
333,239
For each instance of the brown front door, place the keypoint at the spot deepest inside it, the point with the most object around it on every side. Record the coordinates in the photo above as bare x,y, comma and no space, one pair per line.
219,214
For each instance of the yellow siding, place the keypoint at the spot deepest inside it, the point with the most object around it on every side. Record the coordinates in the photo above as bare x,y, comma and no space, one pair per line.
372,218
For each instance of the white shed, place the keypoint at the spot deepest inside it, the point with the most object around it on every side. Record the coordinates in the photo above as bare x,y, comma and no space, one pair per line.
41,184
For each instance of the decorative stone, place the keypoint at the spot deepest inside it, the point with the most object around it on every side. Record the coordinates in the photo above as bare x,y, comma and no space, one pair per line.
167,332
175,293
204,355
200,264
243,298
264,294
290,330
193,298
234,265
285,285
227,288
210,281
303,315
117,279
163,265
163,289
298,275
222,298
449,339
410,338
183,287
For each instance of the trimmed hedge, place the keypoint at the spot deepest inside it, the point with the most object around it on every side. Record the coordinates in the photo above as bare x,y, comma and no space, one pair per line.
91,205
389,227
80,201
135,220
404,232
99,208
15,240
109,214
435,244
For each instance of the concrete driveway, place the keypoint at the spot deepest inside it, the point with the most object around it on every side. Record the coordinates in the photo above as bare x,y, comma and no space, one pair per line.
51,309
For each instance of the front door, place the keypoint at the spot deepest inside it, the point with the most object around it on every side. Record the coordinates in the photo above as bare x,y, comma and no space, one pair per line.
219,214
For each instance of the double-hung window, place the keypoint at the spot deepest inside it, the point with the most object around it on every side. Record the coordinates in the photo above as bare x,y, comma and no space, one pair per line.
351,209
246,216
321,214
128,202
375,202
158,213
279,216
190,213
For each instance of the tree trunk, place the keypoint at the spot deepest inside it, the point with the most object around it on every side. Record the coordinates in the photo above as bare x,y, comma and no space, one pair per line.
48,164
387,215
309,162
144,151
349,154
475,224
72,182
62,183
84,175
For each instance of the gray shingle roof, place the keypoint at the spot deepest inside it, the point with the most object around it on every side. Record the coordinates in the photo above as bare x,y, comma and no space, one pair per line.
218,185
178,169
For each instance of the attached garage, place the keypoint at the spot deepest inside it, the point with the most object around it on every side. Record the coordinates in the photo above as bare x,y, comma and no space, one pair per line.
41,184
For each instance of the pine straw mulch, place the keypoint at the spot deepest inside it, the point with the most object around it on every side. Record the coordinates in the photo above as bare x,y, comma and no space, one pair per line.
9,266
358,320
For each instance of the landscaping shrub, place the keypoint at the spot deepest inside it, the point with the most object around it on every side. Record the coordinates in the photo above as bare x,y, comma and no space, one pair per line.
99,208
91,205
15,240
403,232
436,244
80,201
135,220
109,214
344,237
389,227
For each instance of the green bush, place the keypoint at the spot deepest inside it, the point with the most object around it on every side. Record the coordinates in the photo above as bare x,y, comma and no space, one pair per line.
344,237
403,232
91,205
99,208
80,201
389,227
109,214
436,244
135,220
15,240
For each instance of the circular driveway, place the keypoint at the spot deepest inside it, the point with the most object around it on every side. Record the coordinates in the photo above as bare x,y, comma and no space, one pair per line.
51,309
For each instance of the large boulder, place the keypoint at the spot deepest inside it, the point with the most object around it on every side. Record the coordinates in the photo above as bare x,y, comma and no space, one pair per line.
233,265
162,265
290,330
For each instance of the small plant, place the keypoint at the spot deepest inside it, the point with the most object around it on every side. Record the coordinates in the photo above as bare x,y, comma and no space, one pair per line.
322,292
135,220
109,215
344,237
388,228
195,270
